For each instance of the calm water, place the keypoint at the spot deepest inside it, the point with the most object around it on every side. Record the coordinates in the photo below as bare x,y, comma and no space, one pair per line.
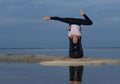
37,74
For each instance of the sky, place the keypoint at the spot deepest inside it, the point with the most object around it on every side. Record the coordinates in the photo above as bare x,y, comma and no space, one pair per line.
21,25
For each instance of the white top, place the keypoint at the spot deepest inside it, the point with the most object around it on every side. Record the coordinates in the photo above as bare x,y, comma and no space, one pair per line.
74,30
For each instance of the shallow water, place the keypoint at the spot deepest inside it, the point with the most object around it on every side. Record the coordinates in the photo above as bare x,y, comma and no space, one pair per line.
37,74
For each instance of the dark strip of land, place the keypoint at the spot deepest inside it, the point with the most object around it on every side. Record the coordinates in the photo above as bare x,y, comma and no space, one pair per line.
11,58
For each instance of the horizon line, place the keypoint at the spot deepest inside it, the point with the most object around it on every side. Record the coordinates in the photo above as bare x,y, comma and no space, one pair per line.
65,48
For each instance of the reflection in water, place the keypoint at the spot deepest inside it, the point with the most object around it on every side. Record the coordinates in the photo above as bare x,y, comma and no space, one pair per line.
76,74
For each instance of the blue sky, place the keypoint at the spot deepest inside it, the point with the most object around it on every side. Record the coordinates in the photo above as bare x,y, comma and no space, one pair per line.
21,25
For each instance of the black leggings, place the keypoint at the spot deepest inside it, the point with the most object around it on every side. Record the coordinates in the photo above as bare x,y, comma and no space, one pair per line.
76,73
75,51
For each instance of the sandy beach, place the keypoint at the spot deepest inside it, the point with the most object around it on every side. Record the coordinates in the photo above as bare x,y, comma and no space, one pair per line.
16,58
57,61
82,62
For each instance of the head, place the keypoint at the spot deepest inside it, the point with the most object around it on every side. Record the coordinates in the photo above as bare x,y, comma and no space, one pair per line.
75,39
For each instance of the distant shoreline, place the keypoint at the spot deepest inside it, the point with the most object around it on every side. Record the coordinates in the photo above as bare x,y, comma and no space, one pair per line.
67,48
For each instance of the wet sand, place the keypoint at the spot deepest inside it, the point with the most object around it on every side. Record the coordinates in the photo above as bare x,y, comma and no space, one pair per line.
56,61
16,58
85,61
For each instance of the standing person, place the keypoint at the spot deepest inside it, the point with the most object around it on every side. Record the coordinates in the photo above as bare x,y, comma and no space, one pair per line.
75,46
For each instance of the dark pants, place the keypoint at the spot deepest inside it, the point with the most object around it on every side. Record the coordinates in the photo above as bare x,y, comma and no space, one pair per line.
75,51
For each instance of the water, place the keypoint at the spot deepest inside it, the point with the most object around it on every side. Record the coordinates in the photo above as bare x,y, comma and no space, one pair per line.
37,74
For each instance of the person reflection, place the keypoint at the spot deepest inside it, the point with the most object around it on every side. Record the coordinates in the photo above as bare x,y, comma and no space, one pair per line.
76,74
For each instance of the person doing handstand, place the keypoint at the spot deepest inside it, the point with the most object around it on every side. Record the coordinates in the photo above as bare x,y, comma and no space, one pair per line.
75,46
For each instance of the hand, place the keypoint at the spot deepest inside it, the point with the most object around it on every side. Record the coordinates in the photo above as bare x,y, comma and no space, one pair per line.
46,18
82,12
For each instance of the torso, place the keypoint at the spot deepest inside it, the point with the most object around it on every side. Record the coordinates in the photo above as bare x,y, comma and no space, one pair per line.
74,30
